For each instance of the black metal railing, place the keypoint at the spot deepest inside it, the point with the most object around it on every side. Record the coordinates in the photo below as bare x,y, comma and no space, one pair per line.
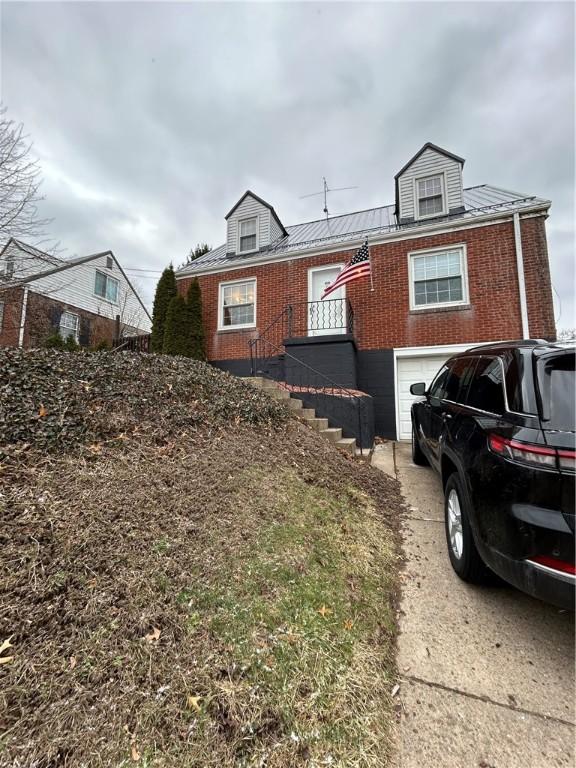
311,318
309,384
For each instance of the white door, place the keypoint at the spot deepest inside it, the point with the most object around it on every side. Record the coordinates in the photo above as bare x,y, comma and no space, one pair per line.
411,370
329,315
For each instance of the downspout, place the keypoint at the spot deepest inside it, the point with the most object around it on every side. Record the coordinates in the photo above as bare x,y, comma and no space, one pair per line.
23,318
521,279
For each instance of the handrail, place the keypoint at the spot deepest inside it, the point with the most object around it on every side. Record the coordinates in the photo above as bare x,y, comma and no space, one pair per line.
332,387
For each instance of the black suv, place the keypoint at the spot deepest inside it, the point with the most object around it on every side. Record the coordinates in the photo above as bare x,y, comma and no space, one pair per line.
498,424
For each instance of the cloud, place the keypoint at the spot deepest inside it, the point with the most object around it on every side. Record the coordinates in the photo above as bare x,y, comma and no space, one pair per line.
151,119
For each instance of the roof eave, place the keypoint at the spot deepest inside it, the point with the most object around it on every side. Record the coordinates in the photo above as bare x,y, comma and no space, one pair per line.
436,148
262,202
358,239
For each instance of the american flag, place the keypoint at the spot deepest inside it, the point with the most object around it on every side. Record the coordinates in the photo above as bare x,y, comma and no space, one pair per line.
358,266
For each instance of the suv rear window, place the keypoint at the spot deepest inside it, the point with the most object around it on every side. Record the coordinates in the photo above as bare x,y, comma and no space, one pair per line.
557,384
486,391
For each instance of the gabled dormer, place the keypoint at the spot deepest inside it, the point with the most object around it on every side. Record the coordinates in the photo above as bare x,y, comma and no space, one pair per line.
429,185
252,226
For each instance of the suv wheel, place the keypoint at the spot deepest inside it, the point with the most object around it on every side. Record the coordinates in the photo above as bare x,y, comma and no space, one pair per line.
461,547
417,453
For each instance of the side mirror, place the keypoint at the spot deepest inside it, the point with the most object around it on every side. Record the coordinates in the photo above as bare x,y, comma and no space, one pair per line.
418,389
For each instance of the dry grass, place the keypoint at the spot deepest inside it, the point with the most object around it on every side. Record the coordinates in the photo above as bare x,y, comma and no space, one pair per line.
221,600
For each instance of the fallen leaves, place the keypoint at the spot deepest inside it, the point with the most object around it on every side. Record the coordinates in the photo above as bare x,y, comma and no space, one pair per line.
4,647
42,411
193,702
154,636
324,611
73,662
348,624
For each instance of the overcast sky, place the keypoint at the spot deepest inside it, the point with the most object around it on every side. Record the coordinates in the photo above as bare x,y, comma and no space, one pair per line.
151,119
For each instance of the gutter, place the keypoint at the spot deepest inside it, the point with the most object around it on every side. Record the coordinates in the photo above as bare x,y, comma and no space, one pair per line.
356,242
521,276
23,318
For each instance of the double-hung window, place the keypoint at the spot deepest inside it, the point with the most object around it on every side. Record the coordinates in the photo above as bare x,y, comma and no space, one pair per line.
438,278
247,235
69,325
430,193
106,287
237,304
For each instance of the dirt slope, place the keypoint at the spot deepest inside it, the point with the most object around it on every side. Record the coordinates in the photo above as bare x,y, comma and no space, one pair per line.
189,576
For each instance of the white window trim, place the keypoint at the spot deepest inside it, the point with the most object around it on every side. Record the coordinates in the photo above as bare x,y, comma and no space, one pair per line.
107,277
76,330
248,218
442,176
242,326
464,269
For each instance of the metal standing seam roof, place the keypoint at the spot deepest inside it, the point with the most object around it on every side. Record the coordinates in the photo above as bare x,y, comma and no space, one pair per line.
478,201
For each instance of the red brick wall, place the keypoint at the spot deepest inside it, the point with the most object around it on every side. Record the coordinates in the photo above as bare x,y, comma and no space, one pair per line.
12,299
38,327
537,279
383,318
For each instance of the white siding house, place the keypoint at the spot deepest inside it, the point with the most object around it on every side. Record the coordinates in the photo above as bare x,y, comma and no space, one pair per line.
90,297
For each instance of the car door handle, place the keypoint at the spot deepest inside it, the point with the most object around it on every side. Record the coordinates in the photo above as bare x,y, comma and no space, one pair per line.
447,416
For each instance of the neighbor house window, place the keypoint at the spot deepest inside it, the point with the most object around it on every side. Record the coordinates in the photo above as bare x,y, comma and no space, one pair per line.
430,196
106,287
237,304
247,237
69,325
438,278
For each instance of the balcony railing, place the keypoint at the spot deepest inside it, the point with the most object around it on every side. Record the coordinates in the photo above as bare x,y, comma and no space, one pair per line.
319,318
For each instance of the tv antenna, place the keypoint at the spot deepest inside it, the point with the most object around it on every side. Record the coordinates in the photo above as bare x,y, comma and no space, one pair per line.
325,192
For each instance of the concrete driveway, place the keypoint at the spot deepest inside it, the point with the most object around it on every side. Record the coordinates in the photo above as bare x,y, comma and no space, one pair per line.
487,674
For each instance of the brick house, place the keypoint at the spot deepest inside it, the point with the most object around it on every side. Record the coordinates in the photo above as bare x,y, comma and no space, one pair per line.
451,267
89,298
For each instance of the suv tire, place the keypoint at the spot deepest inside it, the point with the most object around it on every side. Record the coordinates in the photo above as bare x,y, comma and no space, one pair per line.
417,453
462,550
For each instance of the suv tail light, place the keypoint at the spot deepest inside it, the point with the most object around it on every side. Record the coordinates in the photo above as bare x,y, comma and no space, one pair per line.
552,562
534,455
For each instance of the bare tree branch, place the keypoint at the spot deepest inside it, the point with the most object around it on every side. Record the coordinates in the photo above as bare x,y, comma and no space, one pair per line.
20,182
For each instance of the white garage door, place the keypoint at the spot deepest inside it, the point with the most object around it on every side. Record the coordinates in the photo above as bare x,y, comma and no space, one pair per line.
411,370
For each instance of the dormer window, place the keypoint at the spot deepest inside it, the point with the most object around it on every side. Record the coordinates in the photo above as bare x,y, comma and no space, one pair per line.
248,235
430,193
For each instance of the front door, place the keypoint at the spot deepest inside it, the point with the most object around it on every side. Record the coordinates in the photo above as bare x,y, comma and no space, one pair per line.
329,315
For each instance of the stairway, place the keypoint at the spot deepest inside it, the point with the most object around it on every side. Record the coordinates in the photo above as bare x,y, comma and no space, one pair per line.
307,415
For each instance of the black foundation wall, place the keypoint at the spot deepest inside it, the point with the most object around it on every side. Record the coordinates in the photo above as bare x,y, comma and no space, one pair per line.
370,371
333,356
376,377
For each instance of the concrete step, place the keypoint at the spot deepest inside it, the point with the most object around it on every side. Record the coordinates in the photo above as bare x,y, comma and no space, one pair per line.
295,404
347,444
269,384
306,414
318,424
333,433
277,394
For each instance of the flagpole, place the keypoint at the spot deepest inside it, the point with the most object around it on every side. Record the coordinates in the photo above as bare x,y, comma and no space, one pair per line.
370,260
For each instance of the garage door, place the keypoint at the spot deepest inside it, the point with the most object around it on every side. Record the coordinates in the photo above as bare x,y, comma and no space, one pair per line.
409,371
